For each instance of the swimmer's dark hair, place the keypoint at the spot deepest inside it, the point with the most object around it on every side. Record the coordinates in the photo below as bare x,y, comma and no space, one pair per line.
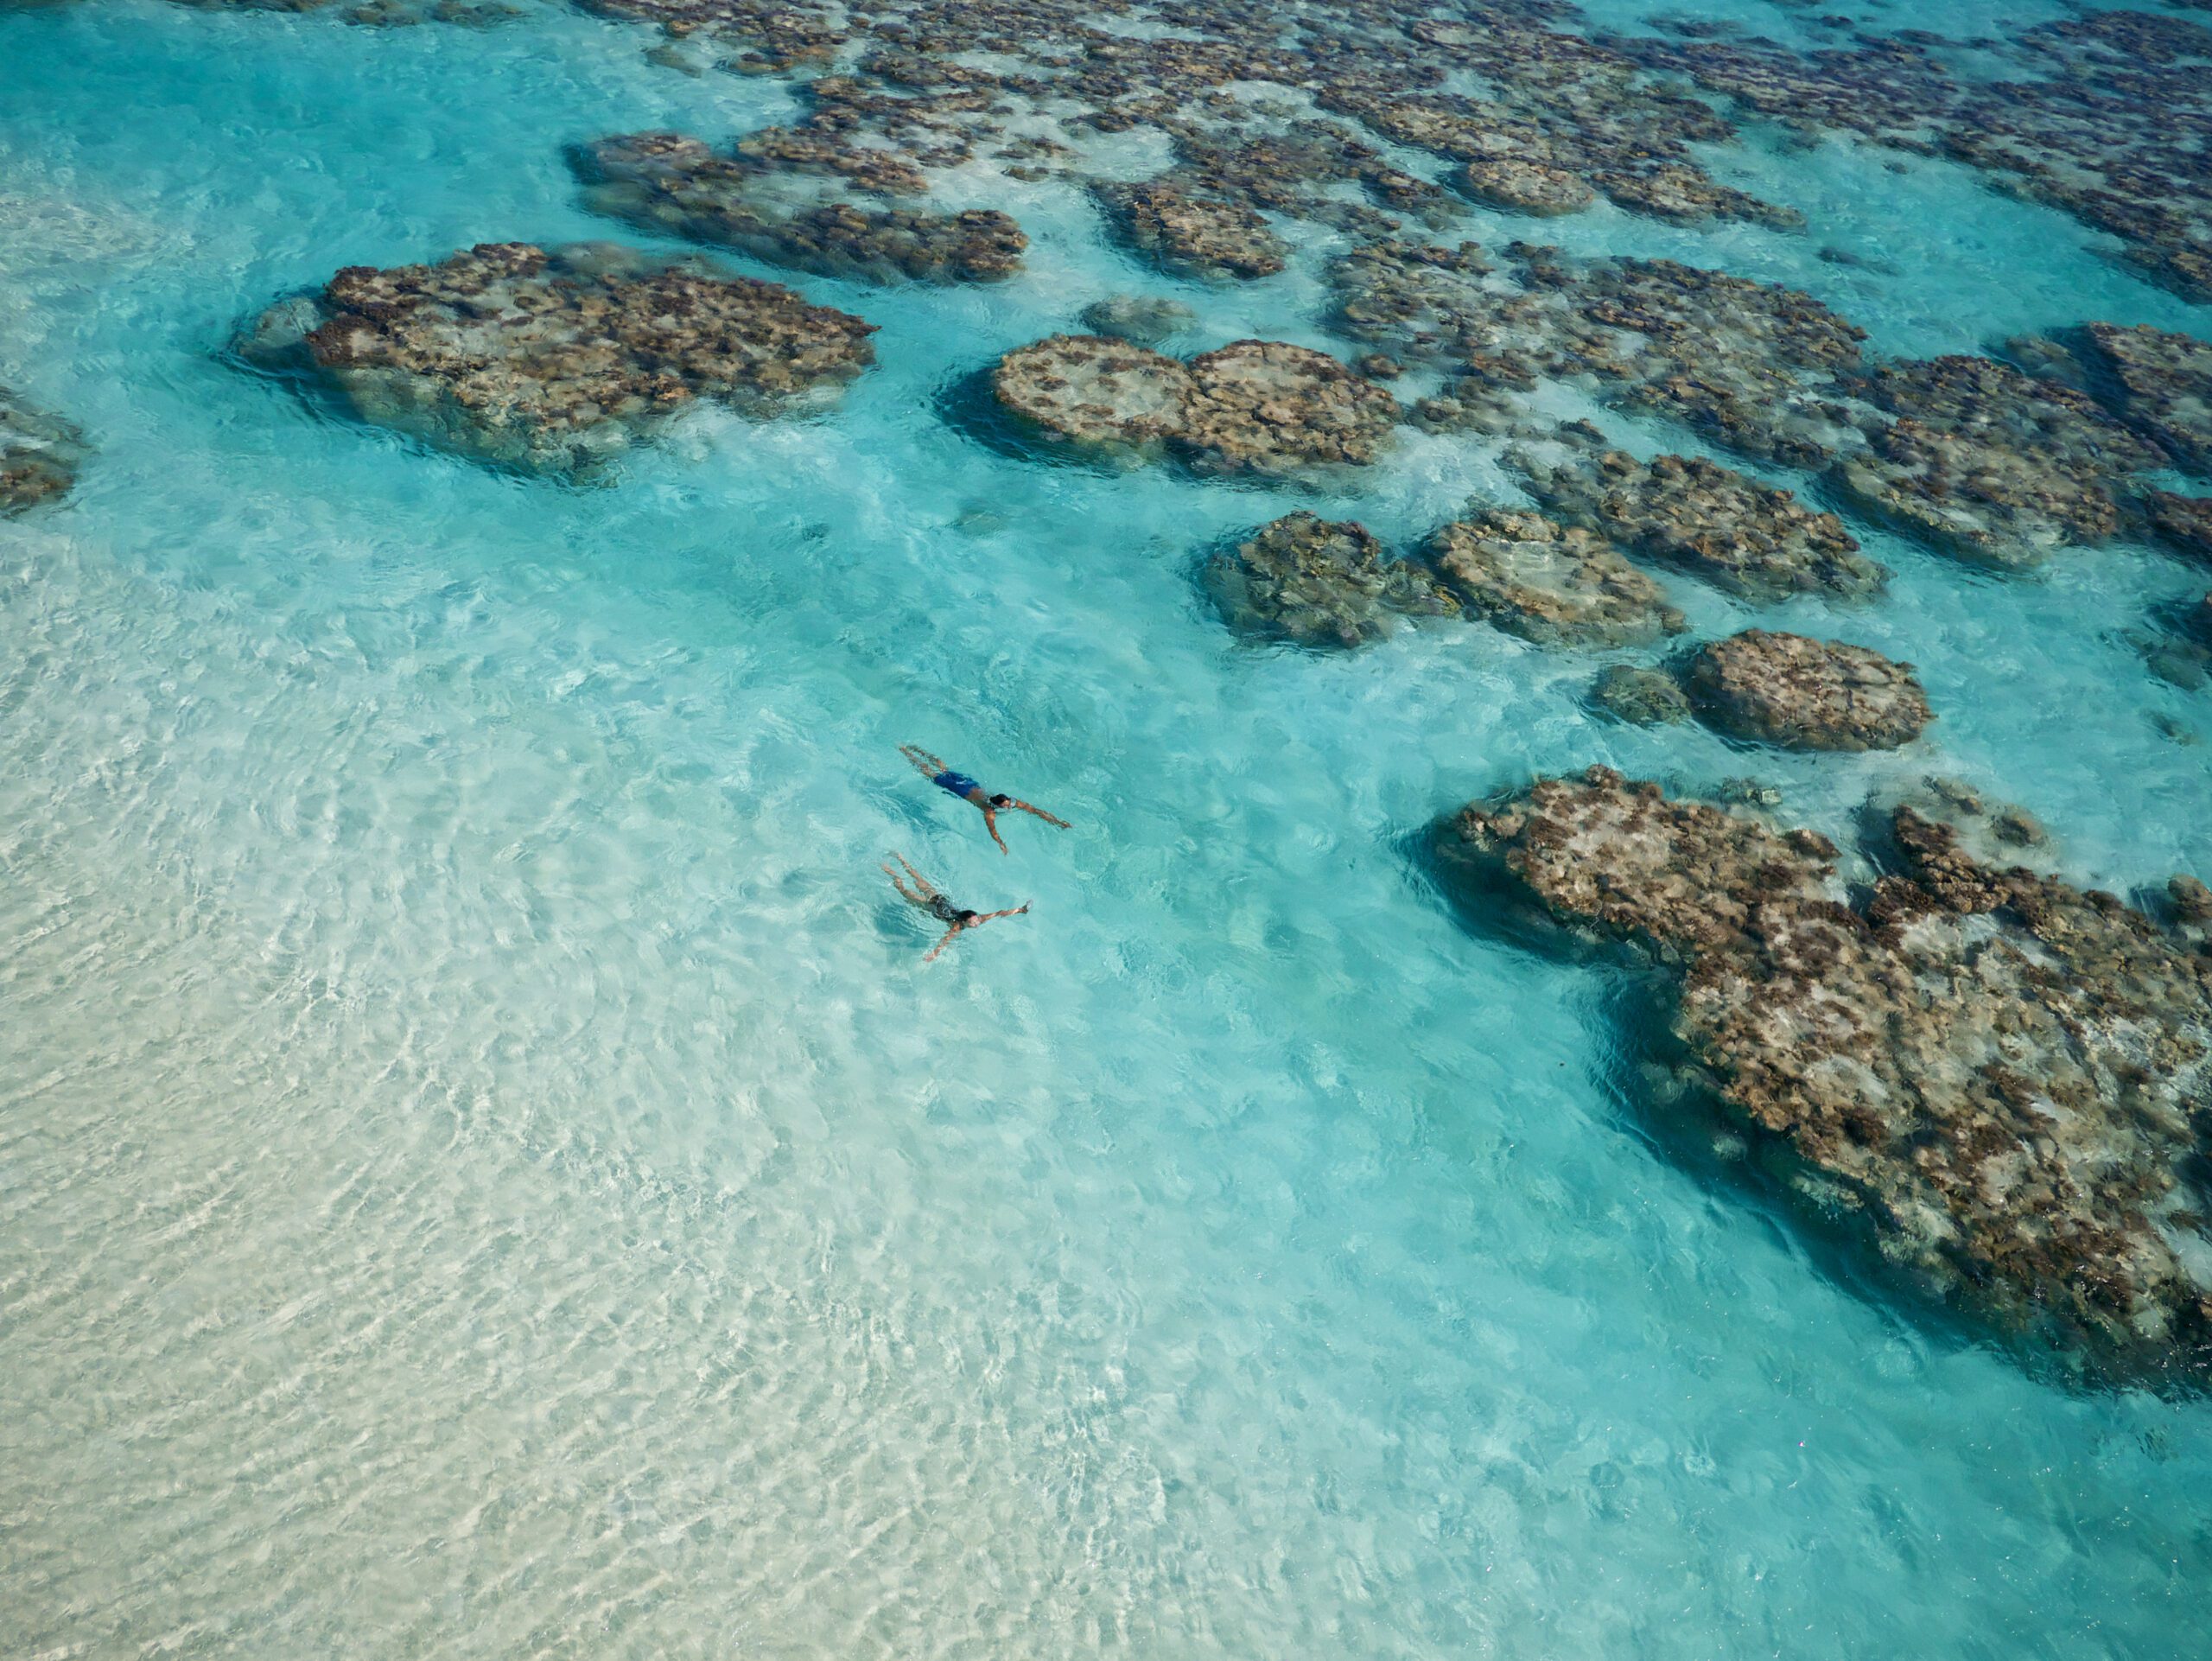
1002,800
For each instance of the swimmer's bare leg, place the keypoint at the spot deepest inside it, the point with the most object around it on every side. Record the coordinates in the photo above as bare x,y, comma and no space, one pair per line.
922,899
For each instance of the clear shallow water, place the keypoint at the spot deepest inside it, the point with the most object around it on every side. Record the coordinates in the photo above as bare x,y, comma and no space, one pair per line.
483,1170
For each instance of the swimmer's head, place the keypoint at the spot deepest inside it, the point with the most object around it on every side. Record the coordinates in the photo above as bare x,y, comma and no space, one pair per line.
1002,800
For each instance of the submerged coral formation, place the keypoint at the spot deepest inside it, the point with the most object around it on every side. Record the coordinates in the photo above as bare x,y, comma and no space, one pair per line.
1569,105
1271,116
765,38
555,360
1749,538
1265,110
1094,394
1260,407
1742,362
1282,109
1804,694
2161,384
804,216
2002,1075
1643,697
1554,584
1148,319
1189,235
1315,582
1517,185
1267,407
2102,122
2185,522
40,454
2180,650
1415,297
1988,462
473,14
1975,455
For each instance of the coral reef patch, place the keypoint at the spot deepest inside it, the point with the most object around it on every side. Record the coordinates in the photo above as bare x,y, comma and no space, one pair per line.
2002,1077
1554,584
1316,582
1264,408
40,455
1188,235
1803,694
1750,539
812,218
556,360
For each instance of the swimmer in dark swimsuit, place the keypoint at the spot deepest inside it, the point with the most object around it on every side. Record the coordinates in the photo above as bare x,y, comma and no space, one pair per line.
938,907
968,790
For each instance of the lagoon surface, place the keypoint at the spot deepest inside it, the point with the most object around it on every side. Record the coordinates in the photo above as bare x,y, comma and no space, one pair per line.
484,1171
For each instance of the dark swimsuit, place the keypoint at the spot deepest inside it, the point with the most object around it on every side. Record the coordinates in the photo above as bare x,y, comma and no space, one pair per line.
958,783
943,910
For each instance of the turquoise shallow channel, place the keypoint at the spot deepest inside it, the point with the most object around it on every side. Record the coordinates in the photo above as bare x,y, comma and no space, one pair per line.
484,1171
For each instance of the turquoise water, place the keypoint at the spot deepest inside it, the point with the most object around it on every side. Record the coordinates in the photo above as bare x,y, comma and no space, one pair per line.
483,1170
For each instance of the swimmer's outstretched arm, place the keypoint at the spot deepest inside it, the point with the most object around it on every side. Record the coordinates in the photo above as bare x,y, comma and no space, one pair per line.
925,764
1049,818
991,825
972,922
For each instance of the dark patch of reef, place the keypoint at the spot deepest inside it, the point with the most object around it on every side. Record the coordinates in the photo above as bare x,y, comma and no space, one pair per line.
1095,396
1189,235
1750,539
2001,1079
1148,319
1315,582
2001,463
2183,522
1985,461
40,455
1287,108
793,211
761,37
1267,109
1799,693
1788,690
382,14
2104,121
1262,407
1739,362
1554,584
556,360
2179,650
2158,382
1641,697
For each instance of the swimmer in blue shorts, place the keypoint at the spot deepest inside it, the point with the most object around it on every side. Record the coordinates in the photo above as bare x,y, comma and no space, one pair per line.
926,897
968,790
